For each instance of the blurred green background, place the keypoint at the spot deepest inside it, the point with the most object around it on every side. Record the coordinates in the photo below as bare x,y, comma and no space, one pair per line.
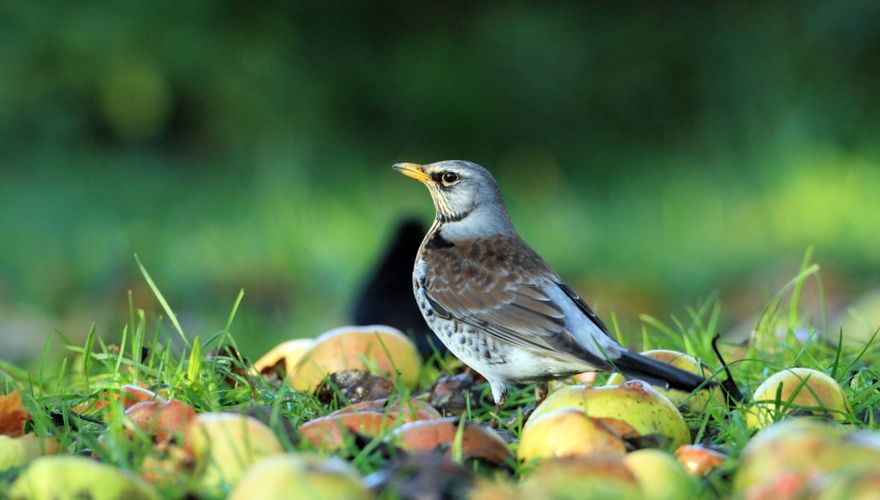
653,152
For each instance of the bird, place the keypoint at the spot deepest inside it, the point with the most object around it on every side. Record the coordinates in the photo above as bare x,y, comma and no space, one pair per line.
386,296
497,305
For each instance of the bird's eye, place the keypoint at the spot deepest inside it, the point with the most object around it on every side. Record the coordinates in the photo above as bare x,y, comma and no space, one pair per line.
449,177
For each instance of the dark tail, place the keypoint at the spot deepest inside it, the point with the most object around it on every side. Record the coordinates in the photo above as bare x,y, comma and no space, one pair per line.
658,373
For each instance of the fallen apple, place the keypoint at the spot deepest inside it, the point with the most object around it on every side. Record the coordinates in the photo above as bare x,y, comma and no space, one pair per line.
132,394
795,389
296,475
496,488
695,402
421,476
567,432
129,395
327,433
15,452
477,441
168,465
599,476
785,485
852,485
162,420
660,475
409,410
804,448
71,477
635,404
699,460
860,326
290,352
377,348
223,445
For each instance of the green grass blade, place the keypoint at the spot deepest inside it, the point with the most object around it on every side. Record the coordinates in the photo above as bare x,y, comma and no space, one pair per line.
161,298
798,288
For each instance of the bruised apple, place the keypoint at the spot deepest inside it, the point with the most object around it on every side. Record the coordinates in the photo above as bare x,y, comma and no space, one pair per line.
378,349
297,475
290,352
408,411
567,432
161,419
634,405
699,460
327,433
129,395
695,402
796,389
477,441
223,445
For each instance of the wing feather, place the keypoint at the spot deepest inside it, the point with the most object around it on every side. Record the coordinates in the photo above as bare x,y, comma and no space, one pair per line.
509,300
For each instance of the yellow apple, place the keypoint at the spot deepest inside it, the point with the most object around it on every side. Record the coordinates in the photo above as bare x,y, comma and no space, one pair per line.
223,445
635,405
377,349
290,352
297,475
71,478
799,449
567,432
15,452
660,475
816,392
598,477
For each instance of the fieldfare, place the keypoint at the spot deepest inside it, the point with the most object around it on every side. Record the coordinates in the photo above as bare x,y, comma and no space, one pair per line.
497,305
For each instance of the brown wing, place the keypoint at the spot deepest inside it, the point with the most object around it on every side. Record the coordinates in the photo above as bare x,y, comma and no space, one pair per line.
498,287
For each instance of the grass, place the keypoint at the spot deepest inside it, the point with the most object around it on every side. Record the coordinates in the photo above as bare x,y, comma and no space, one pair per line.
205,371
299,244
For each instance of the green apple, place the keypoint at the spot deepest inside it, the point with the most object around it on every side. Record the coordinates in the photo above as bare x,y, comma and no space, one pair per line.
15,452
660,475
72,478
857,323
635,405
598,476
296,475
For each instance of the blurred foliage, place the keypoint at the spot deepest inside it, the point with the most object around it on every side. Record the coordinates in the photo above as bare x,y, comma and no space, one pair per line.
653,152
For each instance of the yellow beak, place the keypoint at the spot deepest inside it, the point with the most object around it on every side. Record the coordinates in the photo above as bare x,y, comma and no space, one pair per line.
413,170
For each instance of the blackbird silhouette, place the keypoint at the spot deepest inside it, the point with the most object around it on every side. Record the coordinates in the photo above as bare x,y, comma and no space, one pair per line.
386,297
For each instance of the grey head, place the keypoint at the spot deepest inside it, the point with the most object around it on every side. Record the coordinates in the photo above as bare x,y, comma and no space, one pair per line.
466,198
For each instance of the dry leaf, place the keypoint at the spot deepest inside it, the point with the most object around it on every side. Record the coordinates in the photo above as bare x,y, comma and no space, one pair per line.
13,415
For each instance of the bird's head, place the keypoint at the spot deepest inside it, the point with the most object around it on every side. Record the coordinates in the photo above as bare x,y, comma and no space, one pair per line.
460,190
